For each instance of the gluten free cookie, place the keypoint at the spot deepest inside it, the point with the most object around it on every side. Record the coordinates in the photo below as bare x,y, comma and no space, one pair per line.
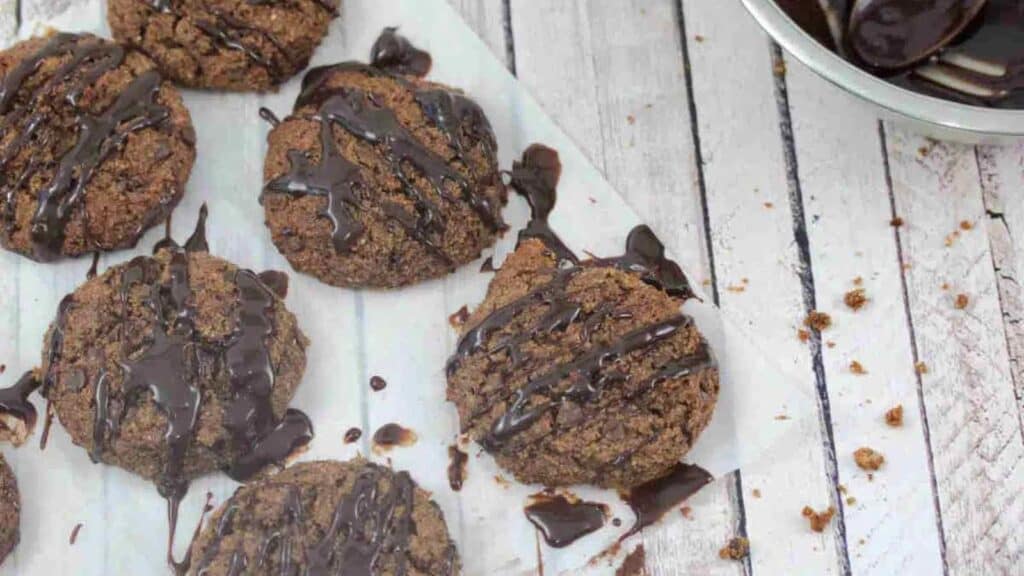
95,147
328,517
379,178
10,511
582,371
224,44
178,364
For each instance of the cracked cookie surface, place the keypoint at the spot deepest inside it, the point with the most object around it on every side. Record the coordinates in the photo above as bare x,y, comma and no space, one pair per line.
224,44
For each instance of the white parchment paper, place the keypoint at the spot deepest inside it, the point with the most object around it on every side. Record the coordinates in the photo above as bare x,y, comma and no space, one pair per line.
403,336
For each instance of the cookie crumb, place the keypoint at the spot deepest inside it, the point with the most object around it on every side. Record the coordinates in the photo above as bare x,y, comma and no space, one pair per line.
951,238
921,368
896,222
631,119
755,493
698,37
459,317
779,69
737,548
830,344
945,286
687,512
858,281
894,416
819,321
868,459
850,500
855,299
857,368
782,417
961,301
769,205
736,288
818,520
803,335
966,225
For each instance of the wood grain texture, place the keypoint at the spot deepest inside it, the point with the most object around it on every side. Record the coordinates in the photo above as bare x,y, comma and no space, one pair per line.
891,522
972,412
611,73
756,260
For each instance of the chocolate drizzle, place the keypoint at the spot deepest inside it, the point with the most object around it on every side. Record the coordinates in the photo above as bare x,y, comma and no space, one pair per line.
97,136
563,520
651,500
365,117
590,372
173,360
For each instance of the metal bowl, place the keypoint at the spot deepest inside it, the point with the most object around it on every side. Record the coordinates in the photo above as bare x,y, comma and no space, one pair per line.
929,115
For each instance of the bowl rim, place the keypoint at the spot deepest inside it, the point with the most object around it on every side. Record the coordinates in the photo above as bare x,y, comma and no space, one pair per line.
897,100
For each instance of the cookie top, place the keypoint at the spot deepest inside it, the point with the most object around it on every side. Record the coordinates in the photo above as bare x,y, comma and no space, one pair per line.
582,372
10,510
224,44
380,179
328,517
94,146
178,364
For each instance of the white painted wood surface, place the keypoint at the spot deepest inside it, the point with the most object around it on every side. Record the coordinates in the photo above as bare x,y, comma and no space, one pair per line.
783,187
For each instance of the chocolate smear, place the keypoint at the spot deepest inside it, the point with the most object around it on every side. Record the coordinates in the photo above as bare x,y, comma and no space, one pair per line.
650,501
390,435
14,402
488,265
74,534
563,520
457,460
394,53
634,564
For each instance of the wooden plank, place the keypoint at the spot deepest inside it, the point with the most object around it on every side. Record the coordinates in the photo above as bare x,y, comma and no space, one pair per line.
892,526
611,74
1002,181
748,189
8,22
488,20
974,422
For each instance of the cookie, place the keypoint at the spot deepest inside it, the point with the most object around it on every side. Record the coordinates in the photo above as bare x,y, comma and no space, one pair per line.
224,44
95,147
178,364
379,178
10,510
328,517
582,372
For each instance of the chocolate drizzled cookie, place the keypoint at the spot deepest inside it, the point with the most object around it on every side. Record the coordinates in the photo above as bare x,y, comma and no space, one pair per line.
178,364
379,178
225,44
321,518
582,371
10,510
95,147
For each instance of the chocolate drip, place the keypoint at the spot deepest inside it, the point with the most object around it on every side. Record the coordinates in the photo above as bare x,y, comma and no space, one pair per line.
97,137
362,115
651,500
457,460
269,117
536,177
488,265
353,435
390,435
94,267
645,256
562,520
14,400
197,241
394,53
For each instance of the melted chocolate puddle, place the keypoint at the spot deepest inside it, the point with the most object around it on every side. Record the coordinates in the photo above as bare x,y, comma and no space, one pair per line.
363,116
390,435
97,136
651,500
536,177
562,520
457,460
